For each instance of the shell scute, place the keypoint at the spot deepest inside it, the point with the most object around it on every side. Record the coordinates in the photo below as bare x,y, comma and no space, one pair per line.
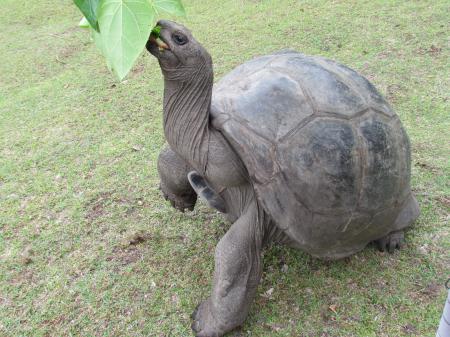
256,152
329,92
385,168
322,165
267,101
367,90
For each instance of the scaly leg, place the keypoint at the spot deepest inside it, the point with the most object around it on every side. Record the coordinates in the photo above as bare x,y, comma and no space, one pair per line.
236,277
174,184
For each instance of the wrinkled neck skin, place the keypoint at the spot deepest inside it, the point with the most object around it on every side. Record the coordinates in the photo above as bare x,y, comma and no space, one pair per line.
187,101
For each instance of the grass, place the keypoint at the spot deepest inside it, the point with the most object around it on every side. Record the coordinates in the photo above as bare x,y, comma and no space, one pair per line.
89,248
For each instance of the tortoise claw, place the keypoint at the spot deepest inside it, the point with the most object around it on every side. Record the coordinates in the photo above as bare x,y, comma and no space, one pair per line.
391,242
180,202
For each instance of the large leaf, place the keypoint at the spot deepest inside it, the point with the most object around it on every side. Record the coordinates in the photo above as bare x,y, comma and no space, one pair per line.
169,6
89,9
100,46
125,27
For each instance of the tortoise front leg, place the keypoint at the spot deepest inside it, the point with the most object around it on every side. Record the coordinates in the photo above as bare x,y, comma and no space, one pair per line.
175,186
236,278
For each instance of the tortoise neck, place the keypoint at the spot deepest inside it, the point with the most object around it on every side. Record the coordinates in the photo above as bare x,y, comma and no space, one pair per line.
187,101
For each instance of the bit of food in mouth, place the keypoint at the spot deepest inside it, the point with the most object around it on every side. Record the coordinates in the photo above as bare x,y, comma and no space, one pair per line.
155,36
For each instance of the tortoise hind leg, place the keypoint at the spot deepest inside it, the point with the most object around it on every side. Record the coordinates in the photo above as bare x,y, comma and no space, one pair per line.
395,239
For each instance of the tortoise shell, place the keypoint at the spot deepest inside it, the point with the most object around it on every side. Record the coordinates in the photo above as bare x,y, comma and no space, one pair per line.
327,156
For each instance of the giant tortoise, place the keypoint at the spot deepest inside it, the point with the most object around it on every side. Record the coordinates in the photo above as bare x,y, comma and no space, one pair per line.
293,149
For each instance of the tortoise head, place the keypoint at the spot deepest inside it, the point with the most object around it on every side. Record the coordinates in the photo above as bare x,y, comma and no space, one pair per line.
178,53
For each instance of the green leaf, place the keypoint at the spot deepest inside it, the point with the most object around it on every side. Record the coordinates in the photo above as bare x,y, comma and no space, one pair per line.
89,9
125,27
156,31
100,45
169,6
84,23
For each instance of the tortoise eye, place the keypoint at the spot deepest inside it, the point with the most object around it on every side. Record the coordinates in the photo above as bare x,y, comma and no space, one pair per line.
179,39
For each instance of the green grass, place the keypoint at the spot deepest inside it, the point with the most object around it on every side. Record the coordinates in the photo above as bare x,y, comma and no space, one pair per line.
78,179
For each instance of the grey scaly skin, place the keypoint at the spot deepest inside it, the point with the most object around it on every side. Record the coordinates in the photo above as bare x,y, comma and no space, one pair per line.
209,155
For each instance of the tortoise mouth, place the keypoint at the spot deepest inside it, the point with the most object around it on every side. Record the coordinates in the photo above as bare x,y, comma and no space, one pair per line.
157,47
158,42
156,39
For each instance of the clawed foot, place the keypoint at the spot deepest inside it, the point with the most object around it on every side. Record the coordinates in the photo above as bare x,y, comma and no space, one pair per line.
391,242
204,324
180,202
